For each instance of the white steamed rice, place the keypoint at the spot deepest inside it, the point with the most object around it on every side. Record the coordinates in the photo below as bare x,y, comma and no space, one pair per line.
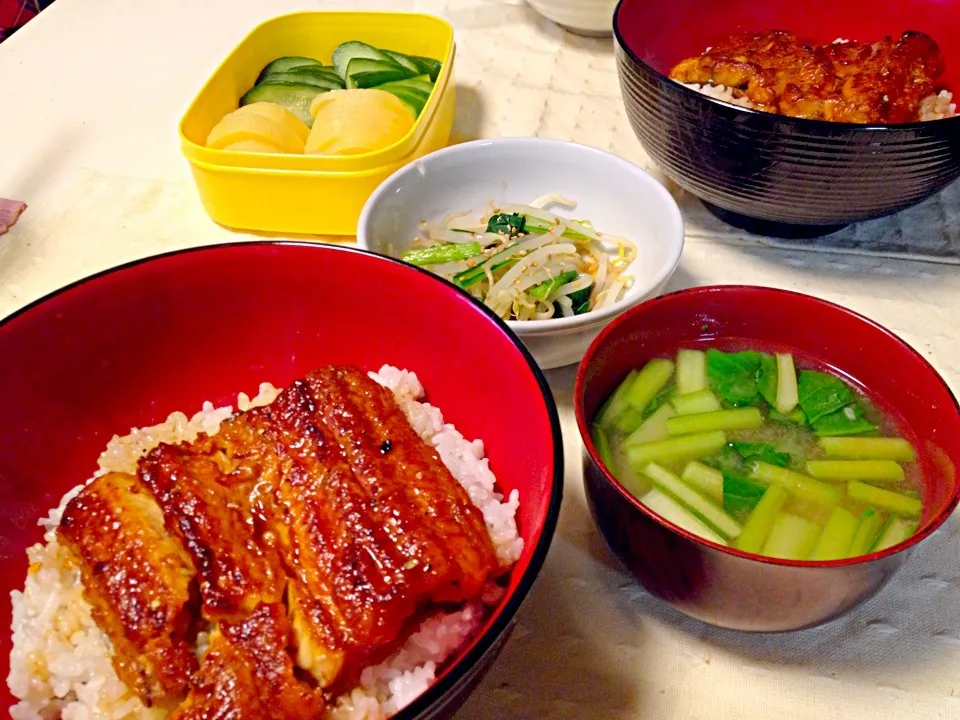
932,107
60,663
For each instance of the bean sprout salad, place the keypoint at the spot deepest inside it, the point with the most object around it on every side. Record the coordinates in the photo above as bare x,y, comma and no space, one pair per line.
526,263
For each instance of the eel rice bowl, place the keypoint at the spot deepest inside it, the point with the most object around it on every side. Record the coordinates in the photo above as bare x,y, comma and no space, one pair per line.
261,640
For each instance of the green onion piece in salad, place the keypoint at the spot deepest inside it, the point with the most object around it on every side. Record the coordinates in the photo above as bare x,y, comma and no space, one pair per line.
546,289
445,253
536,226
471,276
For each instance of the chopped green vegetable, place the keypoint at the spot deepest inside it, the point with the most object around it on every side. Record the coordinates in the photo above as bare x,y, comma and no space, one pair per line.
693,403
728,460
763,452
536,226
366,72
353,49
800,486
788,394
447,252
688,447
705,479
868,448
837,536
653,428
410,96
795,417
691,372
580,300
733,376
295,97
428,66
402,60
629,421
791,537
672,511
286,63
870,524
741,494
306,75
511,224
897,503
471,276
659,400
650,381
758,525
896,531
616,403
716,517
873,470
767,379
820,394
846,421
547,288
738,419
723,464
602,443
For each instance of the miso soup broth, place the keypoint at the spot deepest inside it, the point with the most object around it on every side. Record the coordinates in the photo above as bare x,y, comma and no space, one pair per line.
763,453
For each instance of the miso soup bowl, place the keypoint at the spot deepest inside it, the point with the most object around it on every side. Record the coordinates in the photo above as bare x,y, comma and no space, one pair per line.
720,585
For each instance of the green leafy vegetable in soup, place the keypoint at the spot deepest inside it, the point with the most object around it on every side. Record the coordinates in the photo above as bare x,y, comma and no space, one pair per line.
526,263
746,450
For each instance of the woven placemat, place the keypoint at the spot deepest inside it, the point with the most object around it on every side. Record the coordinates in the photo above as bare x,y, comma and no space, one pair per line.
928,232
566,86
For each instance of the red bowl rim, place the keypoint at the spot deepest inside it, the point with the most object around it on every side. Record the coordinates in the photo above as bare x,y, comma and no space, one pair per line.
808,123
453,675
583,426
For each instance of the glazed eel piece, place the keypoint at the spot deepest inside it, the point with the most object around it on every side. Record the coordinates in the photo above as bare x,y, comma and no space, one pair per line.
310,534
140,585
248,672
422,505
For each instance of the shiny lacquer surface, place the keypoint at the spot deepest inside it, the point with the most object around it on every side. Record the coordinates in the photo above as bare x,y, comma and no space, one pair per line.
129,346
768,173
728,587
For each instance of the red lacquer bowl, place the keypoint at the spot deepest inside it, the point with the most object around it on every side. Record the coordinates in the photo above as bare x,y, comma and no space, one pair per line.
772,174
727,587
127,347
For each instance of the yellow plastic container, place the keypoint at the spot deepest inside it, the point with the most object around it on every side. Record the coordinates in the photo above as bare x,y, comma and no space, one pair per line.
311,194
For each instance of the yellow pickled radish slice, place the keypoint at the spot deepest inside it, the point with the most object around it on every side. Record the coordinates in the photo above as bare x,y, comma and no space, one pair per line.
350,122
253,146
277,112
240,126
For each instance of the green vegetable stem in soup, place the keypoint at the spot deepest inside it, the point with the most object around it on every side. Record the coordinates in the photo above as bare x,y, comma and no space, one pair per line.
525,262
746,449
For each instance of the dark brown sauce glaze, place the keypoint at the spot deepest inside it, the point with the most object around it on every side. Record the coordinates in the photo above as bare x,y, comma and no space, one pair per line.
881,82
292,520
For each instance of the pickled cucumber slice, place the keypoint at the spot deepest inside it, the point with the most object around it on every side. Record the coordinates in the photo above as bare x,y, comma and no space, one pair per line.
296,97
354,49
285,63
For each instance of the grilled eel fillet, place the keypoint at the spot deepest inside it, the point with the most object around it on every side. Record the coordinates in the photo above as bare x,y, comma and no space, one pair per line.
248,672
850,82
138,582
327,501
399,529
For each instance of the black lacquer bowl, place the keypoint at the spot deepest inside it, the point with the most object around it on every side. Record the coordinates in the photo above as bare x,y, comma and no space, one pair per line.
773,174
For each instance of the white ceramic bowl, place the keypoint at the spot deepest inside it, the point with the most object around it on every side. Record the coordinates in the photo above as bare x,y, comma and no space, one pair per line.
616,196
585,17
